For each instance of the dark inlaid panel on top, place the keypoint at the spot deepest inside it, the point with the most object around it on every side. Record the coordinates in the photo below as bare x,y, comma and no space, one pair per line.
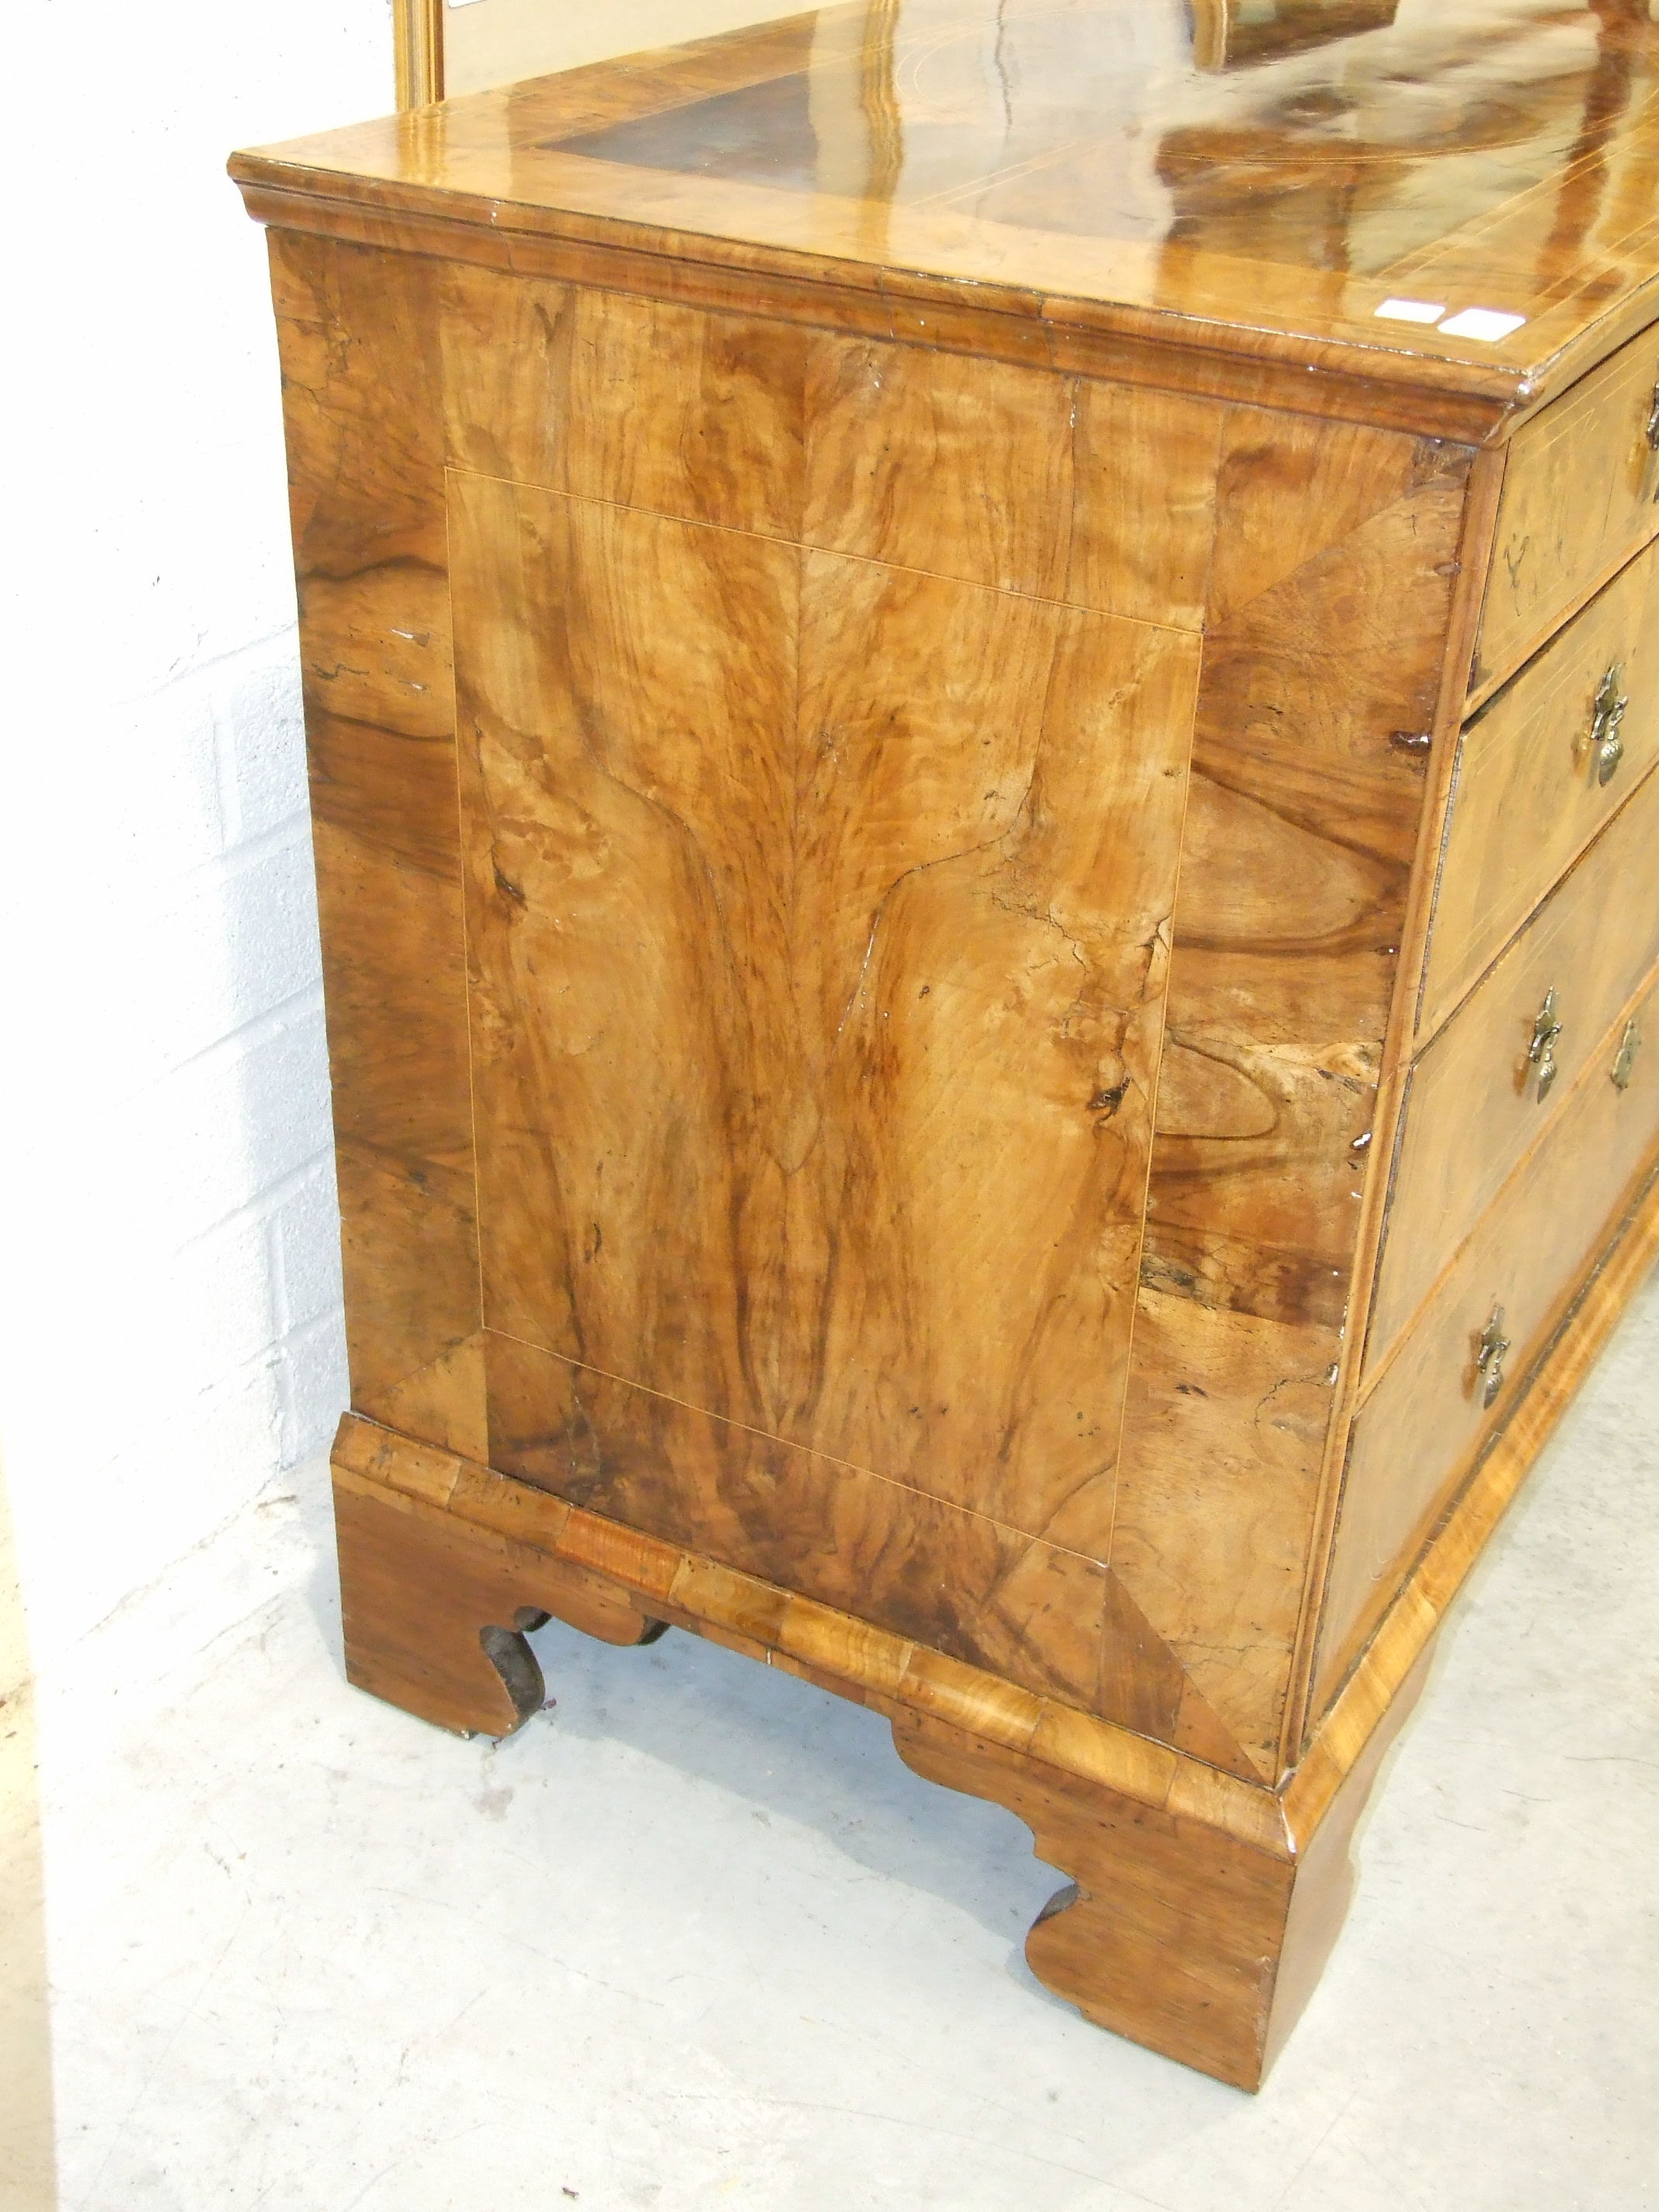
760,132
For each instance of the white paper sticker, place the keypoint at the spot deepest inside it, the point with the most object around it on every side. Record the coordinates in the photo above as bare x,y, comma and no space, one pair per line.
1486,323
1412,311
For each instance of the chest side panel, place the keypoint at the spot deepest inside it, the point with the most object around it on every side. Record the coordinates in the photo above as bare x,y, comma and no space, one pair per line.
821,847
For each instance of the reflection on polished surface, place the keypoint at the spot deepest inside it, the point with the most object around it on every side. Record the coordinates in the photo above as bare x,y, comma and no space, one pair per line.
1336,136
1231,33
1496,154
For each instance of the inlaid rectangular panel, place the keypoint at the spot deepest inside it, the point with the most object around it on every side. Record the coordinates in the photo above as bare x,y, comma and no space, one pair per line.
817,912
1429,1412
1505,1062
1540,769
1580,493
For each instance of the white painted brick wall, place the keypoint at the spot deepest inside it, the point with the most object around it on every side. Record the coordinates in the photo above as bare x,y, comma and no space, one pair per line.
170,1331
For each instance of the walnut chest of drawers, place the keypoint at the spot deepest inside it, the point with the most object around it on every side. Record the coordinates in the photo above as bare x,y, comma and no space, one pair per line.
983,688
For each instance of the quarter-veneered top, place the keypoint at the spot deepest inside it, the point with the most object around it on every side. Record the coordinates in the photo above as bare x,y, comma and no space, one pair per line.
1462,195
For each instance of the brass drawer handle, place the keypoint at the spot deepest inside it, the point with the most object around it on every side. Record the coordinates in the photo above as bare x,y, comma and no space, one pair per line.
1605,744
1623,1062
1490,1347
1540,1053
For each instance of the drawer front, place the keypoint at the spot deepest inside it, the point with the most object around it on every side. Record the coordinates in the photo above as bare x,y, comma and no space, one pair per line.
1529,792
1416,1432
1482,1091
1578,496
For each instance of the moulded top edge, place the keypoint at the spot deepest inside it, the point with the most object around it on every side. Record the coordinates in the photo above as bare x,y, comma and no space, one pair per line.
1459,198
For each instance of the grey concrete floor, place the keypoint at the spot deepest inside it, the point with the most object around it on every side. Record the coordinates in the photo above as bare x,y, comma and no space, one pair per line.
696,1939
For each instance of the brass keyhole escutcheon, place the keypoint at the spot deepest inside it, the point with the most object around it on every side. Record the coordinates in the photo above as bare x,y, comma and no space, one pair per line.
1490,1348
1624,1060
1540,1053
1605,745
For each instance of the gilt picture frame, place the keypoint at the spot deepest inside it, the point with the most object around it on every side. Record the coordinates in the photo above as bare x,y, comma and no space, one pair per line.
443,47
417,42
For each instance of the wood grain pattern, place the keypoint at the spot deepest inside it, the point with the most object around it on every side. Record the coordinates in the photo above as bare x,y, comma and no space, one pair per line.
1473,1104
908,847
1526,800
1425,1417
962,1583
1579,498
1330,589
999,474
1137,453
362,408
1286,488
955,465
641,402
1311,524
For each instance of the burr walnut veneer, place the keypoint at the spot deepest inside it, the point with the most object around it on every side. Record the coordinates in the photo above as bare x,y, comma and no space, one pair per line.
982,691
